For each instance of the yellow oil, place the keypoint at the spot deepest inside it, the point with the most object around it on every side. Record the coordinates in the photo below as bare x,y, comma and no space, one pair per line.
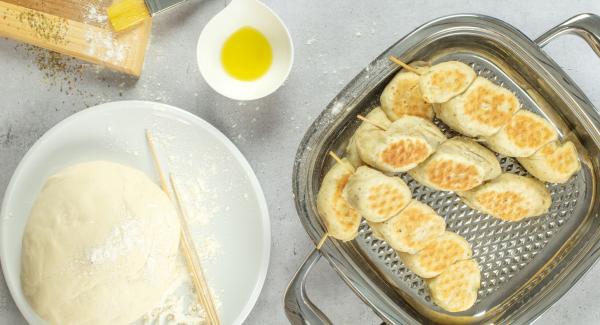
247,54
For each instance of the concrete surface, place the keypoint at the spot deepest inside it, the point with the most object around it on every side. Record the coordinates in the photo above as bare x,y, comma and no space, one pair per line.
333,41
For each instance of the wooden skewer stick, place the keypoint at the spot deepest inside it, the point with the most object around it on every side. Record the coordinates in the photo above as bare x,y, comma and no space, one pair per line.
187,246
362,118
339,160
404,65
322,241
162,180
200,284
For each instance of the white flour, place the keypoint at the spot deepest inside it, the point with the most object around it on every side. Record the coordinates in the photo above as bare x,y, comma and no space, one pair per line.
122,239
103,44
95,14
209,249
180,304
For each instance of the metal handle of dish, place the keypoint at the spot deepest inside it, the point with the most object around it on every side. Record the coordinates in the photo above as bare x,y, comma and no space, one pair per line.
298,307
586,26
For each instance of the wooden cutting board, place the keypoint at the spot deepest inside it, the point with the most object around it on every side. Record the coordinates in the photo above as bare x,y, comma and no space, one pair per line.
77,28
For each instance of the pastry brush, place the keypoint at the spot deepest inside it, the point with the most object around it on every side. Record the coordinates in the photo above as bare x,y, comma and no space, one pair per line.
123,14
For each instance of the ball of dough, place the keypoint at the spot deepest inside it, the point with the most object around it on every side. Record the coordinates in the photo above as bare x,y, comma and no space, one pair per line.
100,245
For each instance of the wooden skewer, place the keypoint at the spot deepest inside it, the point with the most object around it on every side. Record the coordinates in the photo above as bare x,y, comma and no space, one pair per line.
162,180
404,65
362,118
339,160
322,241
193,262
187,246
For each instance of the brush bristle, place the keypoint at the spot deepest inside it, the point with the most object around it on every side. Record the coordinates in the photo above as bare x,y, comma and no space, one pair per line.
124,14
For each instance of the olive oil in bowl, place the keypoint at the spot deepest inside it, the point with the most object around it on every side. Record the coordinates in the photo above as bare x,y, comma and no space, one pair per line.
246,54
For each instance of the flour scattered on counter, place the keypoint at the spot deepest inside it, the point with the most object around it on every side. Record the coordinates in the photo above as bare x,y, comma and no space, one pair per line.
358,34
310,41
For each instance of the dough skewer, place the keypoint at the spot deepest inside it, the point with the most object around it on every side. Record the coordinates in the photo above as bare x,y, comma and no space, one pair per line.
347,194
188,248
404,65
362,118
350,169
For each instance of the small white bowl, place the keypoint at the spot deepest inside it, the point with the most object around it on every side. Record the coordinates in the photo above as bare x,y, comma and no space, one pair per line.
238,14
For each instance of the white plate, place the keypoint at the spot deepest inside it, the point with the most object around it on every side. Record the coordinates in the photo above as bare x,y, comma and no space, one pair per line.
115,132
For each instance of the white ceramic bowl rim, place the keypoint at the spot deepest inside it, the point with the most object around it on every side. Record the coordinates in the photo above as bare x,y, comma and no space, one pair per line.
237,14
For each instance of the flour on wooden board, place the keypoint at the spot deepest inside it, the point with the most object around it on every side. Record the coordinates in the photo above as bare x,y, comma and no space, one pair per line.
95,14
102,42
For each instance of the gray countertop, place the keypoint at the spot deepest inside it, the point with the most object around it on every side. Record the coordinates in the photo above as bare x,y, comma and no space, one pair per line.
333,40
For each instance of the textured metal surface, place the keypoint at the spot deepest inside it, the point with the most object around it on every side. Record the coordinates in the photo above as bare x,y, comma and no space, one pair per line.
527,265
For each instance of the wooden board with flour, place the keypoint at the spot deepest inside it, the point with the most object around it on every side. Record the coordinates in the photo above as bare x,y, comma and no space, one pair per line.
76,28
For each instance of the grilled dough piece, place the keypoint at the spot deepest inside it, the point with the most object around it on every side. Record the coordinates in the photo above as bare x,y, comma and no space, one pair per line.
554,163
375,229
456,288
377,116
375,196
409,230
509,197
407,142
445,80
402,96
525,134
340,219
437,254
459,164
481,111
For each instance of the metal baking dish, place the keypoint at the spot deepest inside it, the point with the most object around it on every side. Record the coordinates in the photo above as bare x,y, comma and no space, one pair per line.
526,266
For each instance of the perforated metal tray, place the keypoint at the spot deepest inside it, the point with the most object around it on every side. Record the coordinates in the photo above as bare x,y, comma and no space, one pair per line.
526,265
